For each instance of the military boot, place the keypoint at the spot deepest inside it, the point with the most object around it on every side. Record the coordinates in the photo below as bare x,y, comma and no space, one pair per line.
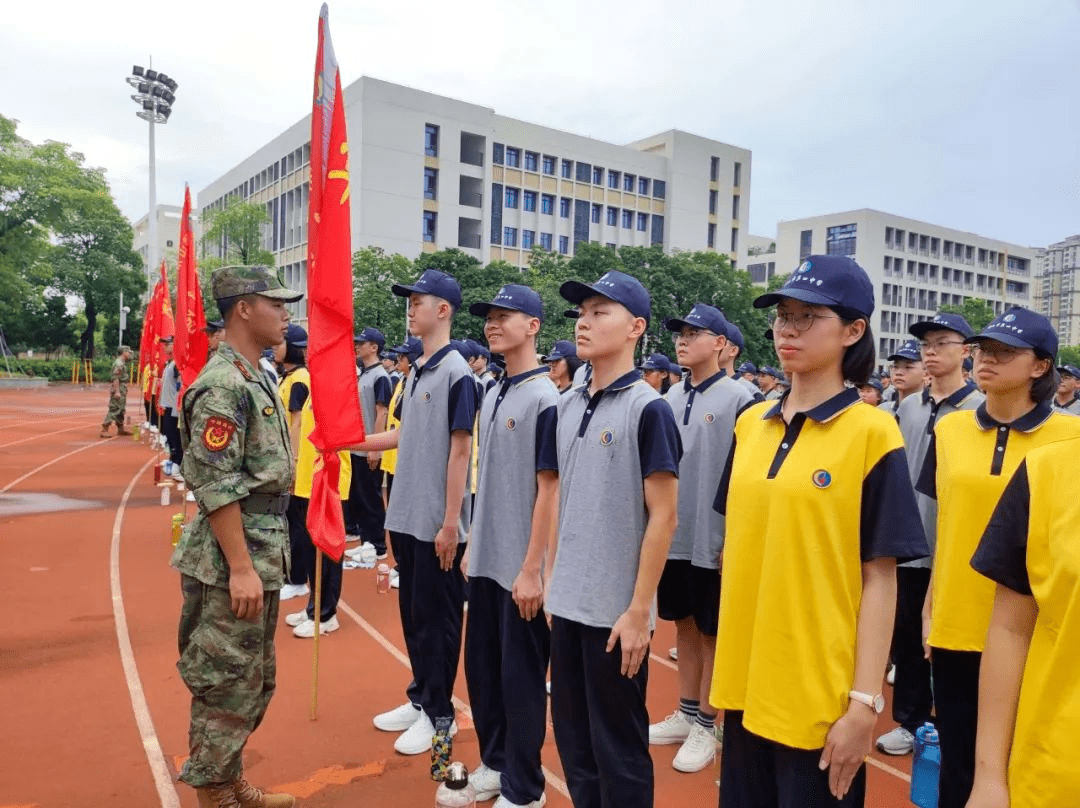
247,796
217,797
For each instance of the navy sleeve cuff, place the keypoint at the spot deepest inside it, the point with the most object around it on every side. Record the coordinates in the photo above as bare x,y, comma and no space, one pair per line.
1002,552
890,526
720,502
659,443
461,408
298,396
927,482
382,391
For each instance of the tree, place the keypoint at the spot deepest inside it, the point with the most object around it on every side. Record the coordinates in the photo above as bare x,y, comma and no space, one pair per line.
1069,355
976,311
237,229
374,272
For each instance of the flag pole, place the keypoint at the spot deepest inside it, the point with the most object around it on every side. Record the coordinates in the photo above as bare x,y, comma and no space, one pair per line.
314,709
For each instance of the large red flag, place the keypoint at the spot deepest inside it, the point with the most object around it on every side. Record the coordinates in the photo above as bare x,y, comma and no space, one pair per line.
335,400
192,343
148,338
163,328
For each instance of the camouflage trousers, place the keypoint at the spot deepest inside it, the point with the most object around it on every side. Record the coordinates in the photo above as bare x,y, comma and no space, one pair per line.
229,666
117,404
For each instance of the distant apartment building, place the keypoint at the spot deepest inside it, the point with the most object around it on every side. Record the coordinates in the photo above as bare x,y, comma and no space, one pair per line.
1057,287
429,172
916,267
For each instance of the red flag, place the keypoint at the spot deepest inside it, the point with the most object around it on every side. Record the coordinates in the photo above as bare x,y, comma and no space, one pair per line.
163,327
192,343
146,340
335,400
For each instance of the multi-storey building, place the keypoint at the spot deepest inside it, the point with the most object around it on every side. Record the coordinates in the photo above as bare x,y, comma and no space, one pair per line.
429,172
916,267
168,236
1057,287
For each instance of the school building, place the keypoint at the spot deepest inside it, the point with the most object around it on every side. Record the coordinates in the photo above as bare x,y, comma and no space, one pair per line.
1057,287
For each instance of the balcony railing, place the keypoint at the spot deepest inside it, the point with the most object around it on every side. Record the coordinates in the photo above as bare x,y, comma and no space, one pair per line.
471,241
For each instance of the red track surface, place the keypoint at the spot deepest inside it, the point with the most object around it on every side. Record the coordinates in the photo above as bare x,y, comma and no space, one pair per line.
72,712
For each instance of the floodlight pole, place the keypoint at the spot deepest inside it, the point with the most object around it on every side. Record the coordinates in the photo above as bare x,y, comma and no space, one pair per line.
151,224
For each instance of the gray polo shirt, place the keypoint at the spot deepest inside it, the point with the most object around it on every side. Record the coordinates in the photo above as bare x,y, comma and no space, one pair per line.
439,398
517,440
608,443
751,388
373,383
917,416
705,416
170,387
1072,408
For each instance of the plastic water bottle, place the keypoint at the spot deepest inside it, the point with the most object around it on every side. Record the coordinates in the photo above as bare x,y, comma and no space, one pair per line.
926,767
456,791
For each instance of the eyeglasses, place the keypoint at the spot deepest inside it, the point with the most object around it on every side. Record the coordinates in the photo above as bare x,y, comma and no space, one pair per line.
1002,354
691,334
800,322
938,345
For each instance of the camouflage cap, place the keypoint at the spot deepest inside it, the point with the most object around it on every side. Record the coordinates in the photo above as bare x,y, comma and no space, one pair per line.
124,349
251,280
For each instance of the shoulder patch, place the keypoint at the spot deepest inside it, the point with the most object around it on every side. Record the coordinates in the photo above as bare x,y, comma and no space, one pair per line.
268,410
218,433
243,370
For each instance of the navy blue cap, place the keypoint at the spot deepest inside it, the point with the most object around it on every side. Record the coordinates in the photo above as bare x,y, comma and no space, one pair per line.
614,285
432,282
562,349
1021,328
969,365
1069,370
462,347
909,350
476,349
826,280
214,325
674,367
370,334
571,313
702,316
515,297
735,335
656,361
746,367
411,348
873,382
296,336
941,320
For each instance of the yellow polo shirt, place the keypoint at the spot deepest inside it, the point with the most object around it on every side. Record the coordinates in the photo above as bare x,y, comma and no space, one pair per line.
806,504
389,457
1032,546
972,459
307,457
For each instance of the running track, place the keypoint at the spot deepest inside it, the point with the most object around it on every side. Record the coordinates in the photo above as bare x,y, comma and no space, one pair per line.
95,712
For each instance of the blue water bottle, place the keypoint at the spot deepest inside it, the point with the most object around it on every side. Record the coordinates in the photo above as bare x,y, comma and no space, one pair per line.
926,767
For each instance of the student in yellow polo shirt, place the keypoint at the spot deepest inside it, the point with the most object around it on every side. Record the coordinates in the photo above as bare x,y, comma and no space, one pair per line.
1029,701
821,508
975,453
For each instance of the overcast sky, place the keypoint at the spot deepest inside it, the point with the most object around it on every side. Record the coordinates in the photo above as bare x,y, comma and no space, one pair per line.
965,113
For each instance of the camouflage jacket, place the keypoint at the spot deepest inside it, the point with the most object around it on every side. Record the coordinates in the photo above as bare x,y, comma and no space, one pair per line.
120,377
236,445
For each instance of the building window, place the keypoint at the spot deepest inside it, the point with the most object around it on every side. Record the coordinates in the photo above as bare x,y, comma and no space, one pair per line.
430,221
713,196
584,172
545,241
643,222
513,157
431,140
528,238
610,245
643,186
512,197
737,181
628,219
564,244
628,182
888,236
547,204
710,240
659,189
613,179
597,210
549,164
657,229
806,241
714,169
564,208
840,240
431,183
509,236
497,153
597,175
735,206
734,239
530,201
567,169
532,161
496,212
613,216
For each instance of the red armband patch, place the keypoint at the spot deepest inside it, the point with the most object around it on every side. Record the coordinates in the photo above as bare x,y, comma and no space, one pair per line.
218,433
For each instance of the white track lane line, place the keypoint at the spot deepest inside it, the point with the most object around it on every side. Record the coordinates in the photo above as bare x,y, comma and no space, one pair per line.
552,779
43,435
43,466
163,780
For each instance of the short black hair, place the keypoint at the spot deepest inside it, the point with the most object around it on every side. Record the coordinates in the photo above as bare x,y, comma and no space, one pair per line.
573,364
1044,387
859,359
294,354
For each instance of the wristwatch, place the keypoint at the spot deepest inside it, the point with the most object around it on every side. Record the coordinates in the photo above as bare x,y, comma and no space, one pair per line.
875,703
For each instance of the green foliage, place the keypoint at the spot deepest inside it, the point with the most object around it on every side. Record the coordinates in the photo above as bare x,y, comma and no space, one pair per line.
239,226
374,305
976,311
1069,355
59,370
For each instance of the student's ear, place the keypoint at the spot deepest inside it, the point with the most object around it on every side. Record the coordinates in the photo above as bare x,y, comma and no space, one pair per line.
721,343
854,332
638,328
445,310
1042,367
534,327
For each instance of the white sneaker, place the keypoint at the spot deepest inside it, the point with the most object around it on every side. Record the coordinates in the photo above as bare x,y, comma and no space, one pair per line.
190,497
890,677
397,720
502,802
897,742
673,729
355,552
697,751
395,580
486,782
673,653
290,591
416,740
296,618
307,628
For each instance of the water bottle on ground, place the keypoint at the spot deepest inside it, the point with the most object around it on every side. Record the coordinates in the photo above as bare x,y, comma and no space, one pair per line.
456,791
926,767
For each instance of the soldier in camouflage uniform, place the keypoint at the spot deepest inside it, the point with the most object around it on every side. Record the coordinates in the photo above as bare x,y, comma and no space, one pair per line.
233,556
117,393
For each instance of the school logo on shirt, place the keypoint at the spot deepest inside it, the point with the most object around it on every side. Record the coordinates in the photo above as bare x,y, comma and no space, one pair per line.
427,396
510,423
709,417
822,478
607,437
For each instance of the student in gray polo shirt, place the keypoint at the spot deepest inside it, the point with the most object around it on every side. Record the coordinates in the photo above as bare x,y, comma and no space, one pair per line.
619,453
428,515
1064,400
730,355
507,641
705,405
908,376
943,353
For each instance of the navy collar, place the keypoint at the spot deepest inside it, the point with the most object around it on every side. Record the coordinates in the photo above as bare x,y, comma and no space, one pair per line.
822,413
1028,422
620,383
528,374
365,368
954,399
434,359
705,385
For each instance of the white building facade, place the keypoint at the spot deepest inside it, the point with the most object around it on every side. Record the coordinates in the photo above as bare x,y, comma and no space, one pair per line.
429,173
1057,287
916,267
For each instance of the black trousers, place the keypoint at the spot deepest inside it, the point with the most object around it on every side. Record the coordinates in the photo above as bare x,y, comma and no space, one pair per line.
431,603
758,773
170,428
601,723
913,697
366,512
956,700
506,660
302,555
